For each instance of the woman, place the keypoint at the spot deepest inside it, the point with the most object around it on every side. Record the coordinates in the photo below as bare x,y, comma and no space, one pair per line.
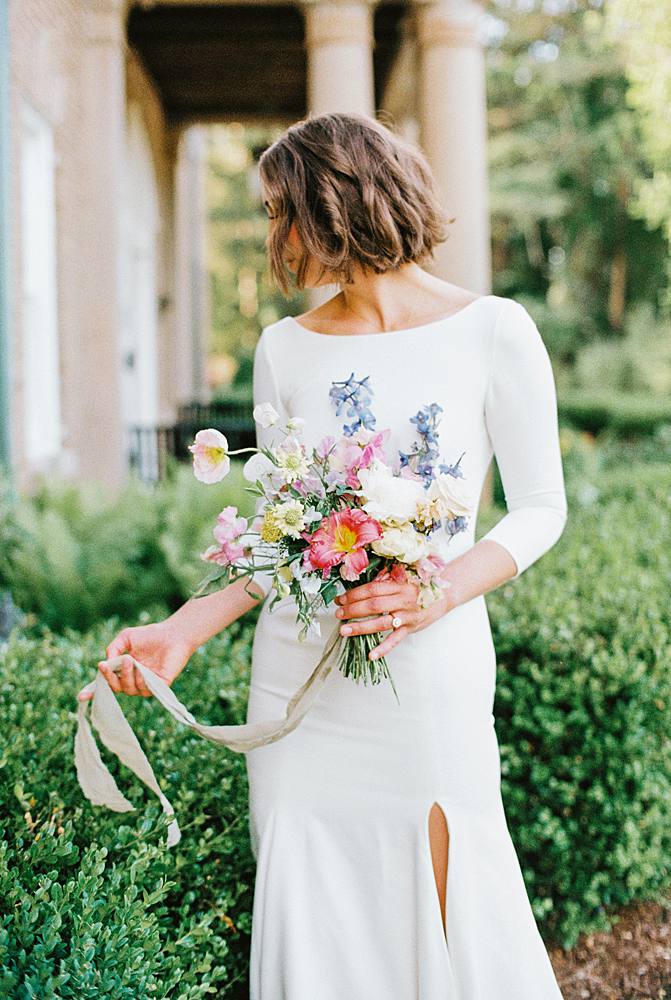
357,816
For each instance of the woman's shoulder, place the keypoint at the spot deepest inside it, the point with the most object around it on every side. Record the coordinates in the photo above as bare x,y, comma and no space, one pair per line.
272,336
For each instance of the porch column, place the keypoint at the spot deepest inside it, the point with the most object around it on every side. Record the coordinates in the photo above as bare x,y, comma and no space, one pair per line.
96,435
191,284
339,42
453,133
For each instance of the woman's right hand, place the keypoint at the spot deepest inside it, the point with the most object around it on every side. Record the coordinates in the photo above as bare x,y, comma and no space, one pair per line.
156,646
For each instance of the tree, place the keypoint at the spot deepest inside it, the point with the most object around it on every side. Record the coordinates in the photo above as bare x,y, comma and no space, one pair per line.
565,157
642,30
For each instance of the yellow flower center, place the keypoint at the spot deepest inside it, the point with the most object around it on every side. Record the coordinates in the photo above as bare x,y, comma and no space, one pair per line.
344,539
215,455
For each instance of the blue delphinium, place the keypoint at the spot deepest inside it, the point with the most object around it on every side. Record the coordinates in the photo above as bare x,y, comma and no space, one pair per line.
355,394
425,453
453,470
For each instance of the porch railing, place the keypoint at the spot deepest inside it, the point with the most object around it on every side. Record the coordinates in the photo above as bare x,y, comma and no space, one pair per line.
149,448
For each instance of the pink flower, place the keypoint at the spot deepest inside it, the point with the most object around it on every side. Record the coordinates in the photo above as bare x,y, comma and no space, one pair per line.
229,526
430,568
210,456
227,532
324,446
357,452
407,473
224,554
340,540
374,449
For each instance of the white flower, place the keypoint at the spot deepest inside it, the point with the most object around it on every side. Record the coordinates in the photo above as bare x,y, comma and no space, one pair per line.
312,515
388,497
265,414
295,424
289,518
309,585
402,543
453,498
256,467
308,582
291,460
210,456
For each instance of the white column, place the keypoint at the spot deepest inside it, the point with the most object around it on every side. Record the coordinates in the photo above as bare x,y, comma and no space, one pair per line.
453,133
339,42
97,434
191,287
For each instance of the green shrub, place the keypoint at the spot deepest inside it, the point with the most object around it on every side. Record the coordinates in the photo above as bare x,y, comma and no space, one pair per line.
623,414
74,555
637,362
583,716
93,904
583,703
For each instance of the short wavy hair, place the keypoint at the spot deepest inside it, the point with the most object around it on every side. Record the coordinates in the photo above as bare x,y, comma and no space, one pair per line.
358,193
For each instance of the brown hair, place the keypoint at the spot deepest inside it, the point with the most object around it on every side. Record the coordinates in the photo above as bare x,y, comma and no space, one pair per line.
358,193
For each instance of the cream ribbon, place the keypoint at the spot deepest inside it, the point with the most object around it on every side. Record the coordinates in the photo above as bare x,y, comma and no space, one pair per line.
97,783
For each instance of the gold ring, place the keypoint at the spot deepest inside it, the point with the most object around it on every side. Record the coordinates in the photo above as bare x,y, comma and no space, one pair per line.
396,621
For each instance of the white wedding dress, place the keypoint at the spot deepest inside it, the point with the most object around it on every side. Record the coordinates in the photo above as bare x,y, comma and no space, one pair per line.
345,902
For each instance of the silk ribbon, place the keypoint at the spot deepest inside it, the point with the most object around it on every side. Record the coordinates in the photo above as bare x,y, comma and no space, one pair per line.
96,781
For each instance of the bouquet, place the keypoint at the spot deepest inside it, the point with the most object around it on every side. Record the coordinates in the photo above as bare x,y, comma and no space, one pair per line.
338,515
329,518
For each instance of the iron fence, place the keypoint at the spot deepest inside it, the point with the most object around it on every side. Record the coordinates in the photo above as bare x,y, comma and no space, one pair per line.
149,449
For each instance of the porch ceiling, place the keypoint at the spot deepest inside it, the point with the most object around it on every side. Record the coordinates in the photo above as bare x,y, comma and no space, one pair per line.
244,61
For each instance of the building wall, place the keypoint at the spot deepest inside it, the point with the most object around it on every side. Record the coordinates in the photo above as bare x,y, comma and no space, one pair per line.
47,39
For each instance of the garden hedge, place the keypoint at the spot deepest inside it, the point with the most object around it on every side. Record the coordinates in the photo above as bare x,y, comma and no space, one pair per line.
94,905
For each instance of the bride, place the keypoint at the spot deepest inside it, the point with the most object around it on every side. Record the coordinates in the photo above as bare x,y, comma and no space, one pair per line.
385,868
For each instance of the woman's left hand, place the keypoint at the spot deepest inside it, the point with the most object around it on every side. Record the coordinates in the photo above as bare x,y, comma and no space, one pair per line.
387,598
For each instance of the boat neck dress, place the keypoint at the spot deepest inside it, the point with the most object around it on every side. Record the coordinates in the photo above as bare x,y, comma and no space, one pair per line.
345,901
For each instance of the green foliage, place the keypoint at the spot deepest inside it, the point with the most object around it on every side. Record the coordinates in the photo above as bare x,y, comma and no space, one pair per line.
617,413
93,904
242,298
583,703
637,362
642,29
74,555
565,157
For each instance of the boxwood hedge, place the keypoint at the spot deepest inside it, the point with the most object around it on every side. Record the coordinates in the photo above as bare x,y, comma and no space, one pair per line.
93,905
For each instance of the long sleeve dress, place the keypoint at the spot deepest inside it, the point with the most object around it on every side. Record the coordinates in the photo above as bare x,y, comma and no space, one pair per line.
345,901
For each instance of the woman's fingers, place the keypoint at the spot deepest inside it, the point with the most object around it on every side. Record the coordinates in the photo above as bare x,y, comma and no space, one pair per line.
127,675
127,680
366,590
399,597
389,642
110,676
141,685
378,624
119,644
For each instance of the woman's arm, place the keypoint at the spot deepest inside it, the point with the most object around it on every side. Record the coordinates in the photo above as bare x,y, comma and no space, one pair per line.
521,418
203,617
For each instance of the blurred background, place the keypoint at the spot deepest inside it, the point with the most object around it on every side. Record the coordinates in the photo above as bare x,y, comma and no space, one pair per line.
135,280
133,288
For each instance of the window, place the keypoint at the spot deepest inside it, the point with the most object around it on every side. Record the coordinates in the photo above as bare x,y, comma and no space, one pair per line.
39,303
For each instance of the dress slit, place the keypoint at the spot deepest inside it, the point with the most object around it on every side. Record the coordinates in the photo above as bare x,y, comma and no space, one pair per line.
437,806
443,928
